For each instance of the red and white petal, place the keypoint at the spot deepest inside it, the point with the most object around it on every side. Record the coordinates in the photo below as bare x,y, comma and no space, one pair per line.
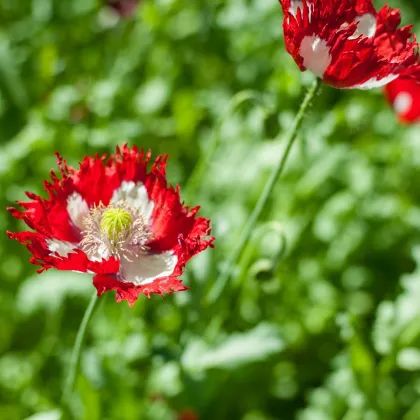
375,82
42,250
77,209
62,248
316,54
129,164
366,26
295,5
48,216
130,292
95,181
148,267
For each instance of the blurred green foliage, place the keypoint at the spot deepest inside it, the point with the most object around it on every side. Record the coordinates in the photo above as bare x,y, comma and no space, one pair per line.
321,320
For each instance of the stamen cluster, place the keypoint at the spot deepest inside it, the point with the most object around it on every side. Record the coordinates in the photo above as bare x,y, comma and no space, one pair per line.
117,229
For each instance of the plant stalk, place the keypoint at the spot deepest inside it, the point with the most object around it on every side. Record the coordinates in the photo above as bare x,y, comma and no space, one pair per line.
77,348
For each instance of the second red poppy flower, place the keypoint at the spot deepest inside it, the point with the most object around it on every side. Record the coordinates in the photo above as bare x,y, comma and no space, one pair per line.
349,44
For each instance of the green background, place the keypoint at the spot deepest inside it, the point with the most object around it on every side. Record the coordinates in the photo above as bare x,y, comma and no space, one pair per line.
322,317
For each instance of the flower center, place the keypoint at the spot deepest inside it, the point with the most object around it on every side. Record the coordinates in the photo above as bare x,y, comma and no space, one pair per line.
116,230
116,223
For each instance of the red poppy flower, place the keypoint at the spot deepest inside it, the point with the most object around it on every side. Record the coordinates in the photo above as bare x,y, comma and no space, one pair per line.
125,8
113,218
404,95
348,44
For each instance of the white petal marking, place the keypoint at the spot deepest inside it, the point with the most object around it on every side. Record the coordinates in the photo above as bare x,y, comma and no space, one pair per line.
136,195
77,209
148,267
366,26
63,248
375,83
403,102
294,6
316,54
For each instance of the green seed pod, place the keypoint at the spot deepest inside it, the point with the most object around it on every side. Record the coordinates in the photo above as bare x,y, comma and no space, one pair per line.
116,223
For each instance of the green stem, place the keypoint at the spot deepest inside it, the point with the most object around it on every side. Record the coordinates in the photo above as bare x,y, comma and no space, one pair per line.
75,356
222,280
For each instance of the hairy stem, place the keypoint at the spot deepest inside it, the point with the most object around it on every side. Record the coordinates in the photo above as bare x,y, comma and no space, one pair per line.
75,355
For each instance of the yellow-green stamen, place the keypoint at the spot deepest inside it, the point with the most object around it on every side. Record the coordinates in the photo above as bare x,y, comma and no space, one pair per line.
116,223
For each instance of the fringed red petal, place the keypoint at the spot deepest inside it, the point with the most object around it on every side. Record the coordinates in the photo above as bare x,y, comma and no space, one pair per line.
75,261
130,292
49,216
